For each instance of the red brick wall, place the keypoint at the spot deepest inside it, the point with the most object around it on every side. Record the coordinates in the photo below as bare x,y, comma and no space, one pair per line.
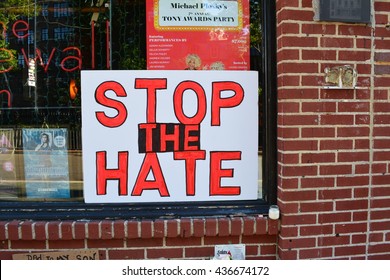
333,145
193,238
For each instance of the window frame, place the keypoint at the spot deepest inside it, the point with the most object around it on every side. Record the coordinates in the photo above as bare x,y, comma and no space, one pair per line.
77,210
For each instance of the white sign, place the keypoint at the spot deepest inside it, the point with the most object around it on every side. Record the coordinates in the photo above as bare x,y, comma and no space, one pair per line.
198,13
164,136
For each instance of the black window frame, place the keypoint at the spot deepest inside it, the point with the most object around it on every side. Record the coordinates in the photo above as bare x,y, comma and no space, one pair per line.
81,211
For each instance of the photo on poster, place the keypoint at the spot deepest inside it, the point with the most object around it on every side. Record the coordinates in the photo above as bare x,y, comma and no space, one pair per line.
46,163
198,35
8,186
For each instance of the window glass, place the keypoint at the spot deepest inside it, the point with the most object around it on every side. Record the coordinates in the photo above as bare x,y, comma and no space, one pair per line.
43,47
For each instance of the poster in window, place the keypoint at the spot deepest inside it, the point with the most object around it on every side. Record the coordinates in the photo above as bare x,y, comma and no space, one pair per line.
169,136
198,35
46,163
8,186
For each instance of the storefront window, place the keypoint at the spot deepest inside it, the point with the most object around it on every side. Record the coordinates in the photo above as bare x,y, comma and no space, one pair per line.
44,46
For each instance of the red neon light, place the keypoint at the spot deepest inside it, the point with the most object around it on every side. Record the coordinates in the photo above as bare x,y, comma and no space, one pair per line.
9,96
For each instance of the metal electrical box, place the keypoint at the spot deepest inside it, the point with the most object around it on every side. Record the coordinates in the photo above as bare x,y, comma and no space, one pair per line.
356,11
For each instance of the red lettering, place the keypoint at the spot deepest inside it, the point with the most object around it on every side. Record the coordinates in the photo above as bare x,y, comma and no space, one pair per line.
178,102
8,95
148,135
39,57
164,137
24,27
151,86
150,164
190,163
103,174
78,59
216,173
102,99
217,102
191,138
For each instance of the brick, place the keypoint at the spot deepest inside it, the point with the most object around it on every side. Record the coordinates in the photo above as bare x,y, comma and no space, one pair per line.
288,132
299,171
331,42
317,182
133,229
353,156
379,248
320,253
353,131
317,206
295,15
13,230
336,144
159,229
351,228
66,244
352,181
173,228
350,205
66,229
119,229
349,250
93,230
288,54
199,252
297,243
185,227
313,230
333,240
126,254
249,226
300,219
354,55
261,226
298,67
319,29
146,229
223,227
359,238
40,230
288,231
318,157
301,195
199,227
319,55
140,243
335,217
214,240
236,226
28,244
211,227
167,253
340,119
295,41
105,243
380,226
106,229
183,241
318,132
382,69
354,30
298,120
319,107
334,194
26,229
299,145
3,231
338,169
80,230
